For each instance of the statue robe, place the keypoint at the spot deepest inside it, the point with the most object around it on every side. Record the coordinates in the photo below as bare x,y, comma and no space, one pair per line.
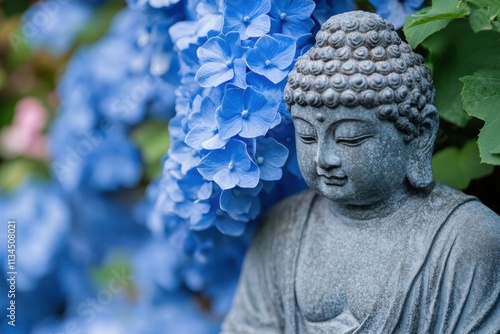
448,280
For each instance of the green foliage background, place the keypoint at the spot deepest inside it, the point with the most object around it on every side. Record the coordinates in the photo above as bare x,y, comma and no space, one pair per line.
461,40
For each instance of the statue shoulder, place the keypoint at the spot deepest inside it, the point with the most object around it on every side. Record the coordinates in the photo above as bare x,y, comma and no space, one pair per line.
465,226
472,232
288,214
477,228
282,225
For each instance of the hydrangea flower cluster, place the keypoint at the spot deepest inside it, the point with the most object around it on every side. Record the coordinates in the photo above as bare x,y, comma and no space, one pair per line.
232,138
42,224
103,97
42,24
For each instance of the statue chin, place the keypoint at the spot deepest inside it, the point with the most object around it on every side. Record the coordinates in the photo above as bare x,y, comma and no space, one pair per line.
374,246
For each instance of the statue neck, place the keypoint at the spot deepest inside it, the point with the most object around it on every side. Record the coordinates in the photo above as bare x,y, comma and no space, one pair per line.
379,209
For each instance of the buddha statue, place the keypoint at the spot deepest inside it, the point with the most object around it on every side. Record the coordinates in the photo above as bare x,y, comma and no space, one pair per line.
375,246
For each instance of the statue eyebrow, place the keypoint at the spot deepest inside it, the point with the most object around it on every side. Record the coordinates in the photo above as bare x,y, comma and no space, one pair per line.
345,120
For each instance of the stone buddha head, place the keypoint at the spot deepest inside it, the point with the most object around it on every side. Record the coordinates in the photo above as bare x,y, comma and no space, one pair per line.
362,106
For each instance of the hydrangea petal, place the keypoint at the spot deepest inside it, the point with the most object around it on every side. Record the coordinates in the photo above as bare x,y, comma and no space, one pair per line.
197,135
253,126
250,177
226,179
214,143
259,26
210,164
230,226
213,74
271,56
286,51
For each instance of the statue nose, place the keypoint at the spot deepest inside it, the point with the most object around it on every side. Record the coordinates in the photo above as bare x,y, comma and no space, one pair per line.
327,160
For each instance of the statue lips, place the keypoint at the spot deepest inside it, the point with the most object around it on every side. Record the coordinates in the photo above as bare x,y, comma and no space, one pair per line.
334,180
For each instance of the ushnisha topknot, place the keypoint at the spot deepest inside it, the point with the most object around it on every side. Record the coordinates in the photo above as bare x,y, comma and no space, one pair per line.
359,59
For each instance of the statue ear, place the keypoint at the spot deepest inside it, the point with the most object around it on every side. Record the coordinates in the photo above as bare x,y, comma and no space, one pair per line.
419,171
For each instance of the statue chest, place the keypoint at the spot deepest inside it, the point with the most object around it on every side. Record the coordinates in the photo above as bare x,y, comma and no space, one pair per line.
343,269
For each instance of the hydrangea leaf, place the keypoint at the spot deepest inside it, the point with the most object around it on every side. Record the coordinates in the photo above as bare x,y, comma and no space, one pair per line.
455,52
429,20
417,34
481,98
456,167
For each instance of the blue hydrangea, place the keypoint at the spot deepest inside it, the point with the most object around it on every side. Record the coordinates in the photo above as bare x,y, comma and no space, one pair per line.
43,21
180,314
204,132
42,226
326,8
230,166
395,11
292,17
231,122
152,3
245,112
242,204
271,156
205,16
248,18
272,56
104,97
221,61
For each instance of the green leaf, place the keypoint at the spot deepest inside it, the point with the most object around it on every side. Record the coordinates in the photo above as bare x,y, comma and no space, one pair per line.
483,14
3,78
455,52
484,3
495,24
426,22
116,269
100,24
496,150
481,98
456,167
14,172
479,20
153,140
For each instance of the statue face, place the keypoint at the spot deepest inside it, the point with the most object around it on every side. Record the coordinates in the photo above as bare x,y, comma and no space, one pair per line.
349,155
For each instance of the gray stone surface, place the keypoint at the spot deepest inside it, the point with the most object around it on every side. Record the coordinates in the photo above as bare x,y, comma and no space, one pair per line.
375,246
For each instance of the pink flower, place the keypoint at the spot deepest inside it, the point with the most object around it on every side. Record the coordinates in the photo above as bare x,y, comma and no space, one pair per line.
25,135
